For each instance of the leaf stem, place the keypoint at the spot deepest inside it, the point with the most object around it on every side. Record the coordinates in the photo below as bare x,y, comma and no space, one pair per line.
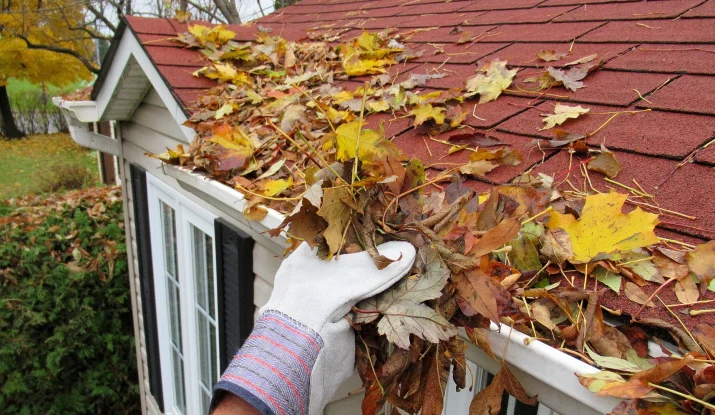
652,296
332,127
543,212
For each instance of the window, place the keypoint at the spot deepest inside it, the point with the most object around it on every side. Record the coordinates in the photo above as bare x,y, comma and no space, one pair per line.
182,237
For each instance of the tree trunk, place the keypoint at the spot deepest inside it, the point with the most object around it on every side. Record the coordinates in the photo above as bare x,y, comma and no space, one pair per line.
8,120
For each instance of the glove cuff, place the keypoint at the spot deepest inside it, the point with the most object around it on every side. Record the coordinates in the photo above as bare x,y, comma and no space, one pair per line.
272,369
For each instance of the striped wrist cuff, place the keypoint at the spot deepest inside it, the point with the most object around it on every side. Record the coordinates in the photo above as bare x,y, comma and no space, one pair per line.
272,369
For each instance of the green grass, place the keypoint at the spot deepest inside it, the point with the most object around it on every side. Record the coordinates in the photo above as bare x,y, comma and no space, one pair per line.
17,88
28,164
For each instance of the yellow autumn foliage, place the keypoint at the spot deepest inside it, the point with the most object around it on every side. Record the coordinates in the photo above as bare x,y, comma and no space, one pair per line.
603,228
41,27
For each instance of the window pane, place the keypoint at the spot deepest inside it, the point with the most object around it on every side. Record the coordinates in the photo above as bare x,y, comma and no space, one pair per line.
178,363
168,218
205,402
209,245
204,351
214,356
200,267
175,314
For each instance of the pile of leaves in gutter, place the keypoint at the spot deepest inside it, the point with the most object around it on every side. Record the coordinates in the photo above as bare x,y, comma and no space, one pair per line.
525,254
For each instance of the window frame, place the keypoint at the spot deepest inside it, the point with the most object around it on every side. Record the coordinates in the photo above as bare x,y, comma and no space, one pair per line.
188,215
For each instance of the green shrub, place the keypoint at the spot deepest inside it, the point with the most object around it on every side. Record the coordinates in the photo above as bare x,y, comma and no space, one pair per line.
66,338
65,177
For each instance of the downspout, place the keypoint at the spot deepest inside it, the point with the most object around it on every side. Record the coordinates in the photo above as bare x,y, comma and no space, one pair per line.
79,116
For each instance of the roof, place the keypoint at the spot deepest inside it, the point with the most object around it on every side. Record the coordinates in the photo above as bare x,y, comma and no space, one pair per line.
657,55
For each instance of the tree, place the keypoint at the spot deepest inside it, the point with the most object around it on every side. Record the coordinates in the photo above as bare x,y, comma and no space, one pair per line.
36,44
53,41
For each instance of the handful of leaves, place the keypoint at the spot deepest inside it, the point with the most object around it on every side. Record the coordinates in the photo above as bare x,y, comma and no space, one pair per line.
523,254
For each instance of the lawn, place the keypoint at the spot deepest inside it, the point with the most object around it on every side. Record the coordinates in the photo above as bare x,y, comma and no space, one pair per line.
31,165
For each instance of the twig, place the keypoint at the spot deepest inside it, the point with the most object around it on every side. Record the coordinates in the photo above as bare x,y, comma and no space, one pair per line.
636,192
611,119
695,313
677,50
372,365
682,395
685,161
239,187
443,176
641,96
689,304
671,212
655,293
679,320
673,241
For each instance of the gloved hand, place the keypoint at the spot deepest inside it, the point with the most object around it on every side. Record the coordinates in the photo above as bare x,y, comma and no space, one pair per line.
301,348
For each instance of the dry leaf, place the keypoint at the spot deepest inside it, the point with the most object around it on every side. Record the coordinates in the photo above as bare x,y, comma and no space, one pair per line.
561,114
492,80
550,55
605,162
701,261
686,290
636,294
603,229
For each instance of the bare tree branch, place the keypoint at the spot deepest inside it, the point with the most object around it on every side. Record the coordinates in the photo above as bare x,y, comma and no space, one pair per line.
229,11
203,9
86,62
99,15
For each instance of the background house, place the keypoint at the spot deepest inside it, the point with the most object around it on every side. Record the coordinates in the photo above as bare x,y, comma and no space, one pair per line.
201,270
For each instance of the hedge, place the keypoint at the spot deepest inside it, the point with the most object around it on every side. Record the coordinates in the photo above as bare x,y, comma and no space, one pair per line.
66,337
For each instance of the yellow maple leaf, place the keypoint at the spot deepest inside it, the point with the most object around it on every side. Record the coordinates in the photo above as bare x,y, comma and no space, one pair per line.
493,78
561,114
346,141
217,35
274,187
424,112
603,228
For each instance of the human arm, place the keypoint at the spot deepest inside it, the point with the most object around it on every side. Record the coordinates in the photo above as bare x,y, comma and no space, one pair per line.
302,348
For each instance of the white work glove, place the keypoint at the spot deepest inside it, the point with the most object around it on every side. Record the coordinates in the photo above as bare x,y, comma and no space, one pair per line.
301,348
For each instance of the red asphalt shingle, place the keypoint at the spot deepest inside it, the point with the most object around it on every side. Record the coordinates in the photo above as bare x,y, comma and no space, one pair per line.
692,59
601,87
536,33
688,93
654,31
629,11
707,9
524,54
640,44
654,133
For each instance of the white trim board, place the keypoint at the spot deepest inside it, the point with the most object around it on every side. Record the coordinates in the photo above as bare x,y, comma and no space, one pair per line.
187,214
129,47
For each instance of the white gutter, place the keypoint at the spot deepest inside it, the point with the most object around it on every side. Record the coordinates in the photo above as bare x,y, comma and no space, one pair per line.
78,115
544,370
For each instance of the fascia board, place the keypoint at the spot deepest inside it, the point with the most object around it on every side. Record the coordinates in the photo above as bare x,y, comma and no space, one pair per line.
130,47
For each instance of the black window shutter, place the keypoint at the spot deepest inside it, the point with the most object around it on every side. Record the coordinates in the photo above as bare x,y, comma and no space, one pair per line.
146,278
234,272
